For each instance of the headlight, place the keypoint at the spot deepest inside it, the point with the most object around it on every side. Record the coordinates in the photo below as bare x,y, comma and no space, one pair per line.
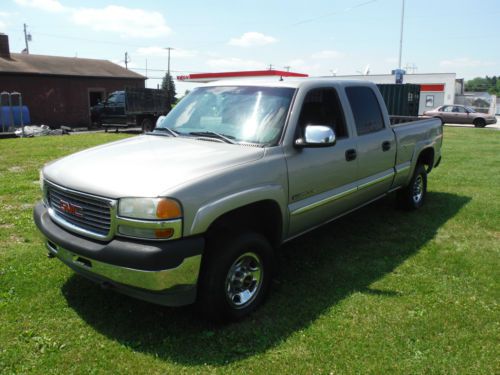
150,208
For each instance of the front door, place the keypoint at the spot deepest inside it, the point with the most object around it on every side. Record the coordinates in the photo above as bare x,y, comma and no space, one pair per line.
319,193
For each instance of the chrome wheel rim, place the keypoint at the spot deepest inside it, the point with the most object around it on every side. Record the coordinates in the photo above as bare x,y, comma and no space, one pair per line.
418,189
244,280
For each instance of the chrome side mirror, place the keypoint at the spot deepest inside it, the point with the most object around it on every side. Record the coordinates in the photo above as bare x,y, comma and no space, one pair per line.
317,136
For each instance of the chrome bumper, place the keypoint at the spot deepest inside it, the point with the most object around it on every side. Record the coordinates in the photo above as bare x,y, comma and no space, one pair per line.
164,273
185,274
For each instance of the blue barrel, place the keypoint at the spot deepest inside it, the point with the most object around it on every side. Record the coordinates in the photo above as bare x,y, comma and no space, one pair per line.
6,118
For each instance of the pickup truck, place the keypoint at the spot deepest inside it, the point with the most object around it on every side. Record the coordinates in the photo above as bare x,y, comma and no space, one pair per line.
138,107
195,210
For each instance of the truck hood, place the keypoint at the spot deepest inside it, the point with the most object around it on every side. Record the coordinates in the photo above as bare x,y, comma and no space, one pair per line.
145,166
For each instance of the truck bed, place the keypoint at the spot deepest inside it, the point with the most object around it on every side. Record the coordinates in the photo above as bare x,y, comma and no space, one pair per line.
146,101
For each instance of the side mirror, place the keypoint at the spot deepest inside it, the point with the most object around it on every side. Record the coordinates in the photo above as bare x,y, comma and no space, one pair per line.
159,120
317,136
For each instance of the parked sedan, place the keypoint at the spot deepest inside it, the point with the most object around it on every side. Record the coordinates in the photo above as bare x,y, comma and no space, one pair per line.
459,114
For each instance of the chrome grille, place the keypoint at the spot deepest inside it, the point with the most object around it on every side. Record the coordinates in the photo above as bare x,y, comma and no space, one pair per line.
86,212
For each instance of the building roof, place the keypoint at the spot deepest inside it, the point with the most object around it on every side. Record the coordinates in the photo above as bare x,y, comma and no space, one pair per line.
64,66
208,77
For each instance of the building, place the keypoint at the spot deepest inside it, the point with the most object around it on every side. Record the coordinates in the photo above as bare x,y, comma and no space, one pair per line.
60,90
436,89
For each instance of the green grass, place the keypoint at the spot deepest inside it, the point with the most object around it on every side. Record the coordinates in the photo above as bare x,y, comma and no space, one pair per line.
379,291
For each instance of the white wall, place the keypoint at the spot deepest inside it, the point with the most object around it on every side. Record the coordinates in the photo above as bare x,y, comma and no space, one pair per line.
448,79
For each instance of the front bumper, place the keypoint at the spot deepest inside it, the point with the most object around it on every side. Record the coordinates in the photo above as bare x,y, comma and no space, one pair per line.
165,273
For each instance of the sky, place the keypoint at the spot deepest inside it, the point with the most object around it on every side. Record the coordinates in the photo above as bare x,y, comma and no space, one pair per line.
317,37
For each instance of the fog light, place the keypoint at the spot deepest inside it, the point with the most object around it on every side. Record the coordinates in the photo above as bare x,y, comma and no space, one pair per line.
146,232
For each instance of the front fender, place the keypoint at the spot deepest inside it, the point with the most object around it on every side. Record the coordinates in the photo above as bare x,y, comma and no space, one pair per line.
209,212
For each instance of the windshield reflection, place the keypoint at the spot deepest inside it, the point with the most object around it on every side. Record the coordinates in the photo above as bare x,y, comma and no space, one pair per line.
246,114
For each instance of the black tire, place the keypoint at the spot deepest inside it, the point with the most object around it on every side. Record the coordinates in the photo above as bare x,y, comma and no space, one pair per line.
413,196
147,125
228,276
479,123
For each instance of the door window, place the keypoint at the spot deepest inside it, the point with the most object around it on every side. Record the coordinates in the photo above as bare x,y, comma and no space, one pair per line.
365,109
448,108
322,107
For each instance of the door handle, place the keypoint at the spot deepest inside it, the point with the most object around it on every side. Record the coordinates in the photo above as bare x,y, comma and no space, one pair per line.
386,146
350,154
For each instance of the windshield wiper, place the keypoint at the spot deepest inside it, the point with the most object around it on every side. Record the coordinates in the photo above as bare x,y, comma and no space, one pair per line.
211,134
173,133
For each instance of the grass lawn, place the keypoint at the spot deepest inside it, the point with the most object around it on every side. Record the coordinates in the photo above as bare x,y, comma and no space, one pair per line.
379,291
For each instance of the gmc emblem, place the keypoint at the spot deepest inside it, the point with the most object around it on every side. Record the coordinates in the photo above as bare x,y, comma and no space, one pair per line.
70,208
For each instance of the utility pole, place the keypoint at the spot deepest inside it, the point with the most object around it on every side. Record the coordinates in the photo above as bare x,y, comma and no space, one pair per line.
287,68
27,38
401,34
270,66
127,60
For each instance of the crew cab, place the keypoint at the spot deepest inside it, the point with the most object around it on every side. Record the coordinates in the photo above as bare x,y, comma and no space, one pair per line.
195,210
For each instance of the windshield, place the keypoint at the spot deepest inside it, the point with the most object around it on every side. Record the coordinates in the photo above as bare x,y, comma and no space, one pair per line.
241,113
116,97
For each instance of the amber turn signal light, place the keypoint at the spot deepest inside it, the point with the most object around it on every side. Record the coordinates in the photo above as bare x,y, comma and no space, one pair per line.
168,209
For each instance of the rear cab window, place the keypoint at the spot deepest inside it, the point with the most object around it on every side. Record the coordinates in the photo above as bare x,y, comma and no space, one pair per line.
365,109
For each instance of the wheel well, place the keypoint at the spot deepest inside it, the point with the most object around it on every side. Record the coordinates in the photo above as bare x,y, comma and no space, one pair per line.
426,157
479,120
263,217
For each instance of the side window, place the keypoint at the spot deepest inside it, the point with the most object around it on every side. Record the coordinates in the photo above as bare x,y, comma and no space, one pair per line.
460,109
365,109
448,109
120,99
322,107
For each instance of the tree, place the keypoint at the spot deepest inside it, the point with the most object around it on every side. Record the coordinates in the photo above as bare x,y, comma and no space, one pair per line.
168,85
487,84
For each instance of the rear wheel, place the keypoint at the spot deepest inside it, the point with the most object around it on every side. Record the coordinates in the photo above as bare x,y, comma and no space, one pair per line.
479,123
235,275
147,125
413,196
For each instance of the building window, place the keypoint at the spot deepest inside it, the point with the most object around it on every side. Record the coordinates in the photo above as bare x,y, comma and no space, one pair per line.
429,101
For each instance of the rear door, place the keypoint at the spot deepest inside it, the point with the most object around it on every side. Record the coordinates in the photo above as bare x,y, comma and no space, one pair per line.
376,142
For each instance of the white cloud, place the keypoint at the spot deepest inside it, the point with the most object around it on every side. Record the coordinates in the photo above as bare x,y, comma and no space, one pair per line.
328,54
391,60
464,62
235,63
251,39
127,22
46,5
155,51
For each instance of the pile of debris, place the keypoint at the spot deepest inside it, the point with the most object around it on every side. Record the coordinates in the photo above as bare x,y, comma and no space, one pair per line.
42,130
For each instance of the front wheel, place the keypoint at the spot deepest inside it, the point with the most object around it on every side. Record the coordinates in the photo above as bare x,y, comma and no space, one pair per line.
413,196
235,276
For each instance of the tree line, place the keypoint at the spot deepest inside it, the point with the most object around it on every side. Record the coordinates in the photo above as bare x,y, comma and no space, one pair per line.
486,84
